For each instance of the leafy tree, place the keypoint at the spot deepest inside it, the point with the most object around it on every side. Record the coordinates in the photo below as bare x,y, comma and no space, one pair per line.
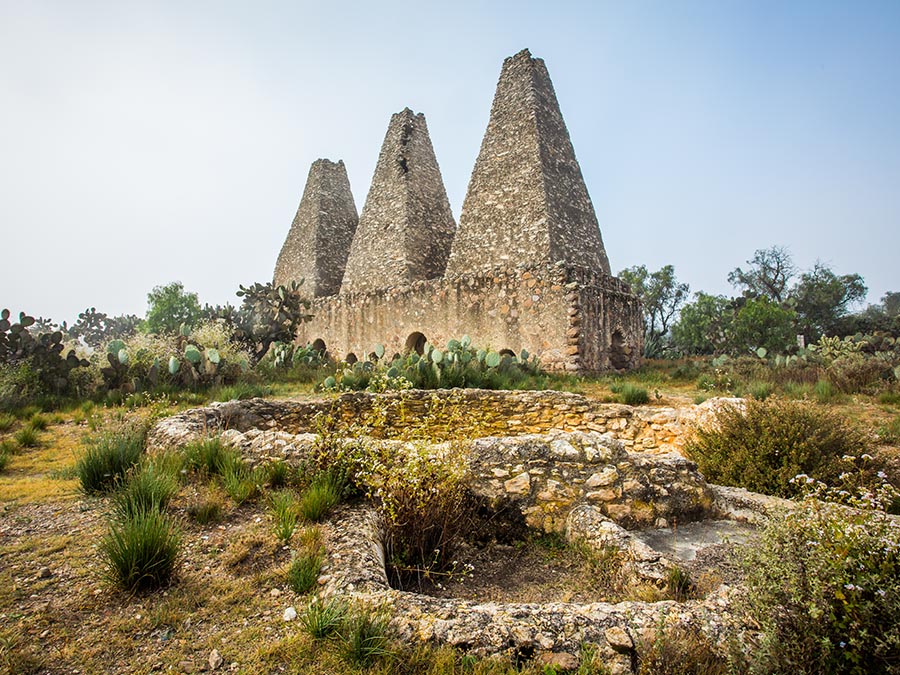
761,322
704,325
770,272
170,306
661,296
890,301
268,314
821,299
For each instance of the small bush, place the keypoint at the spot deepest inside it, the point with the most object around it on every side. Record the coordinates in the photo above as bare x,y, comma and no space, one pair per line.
823,583
303,574
364,638
679,585
27,437
884,398
323,619
285,514
108,458
633,395
825,392
9,446
278,473
147,489
140,551
857,374
760,390
6,421
765,444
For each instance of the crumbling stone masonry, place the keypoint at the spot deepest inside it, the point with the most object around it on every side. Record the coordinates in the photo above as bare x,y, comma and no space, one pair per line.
525,269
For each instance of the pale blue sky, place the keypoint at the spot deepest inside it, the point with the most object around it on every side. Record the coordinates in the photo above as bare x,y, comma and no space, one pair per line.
142,143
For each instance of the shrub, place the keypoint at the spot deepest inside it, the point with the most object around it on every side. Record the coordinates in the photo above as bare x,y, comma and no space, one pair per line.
364,638
304,571
149,488
633,395
285,513
424,504
27,437
855,374
108,458
140,551
323,619
764,444
885,398
824,586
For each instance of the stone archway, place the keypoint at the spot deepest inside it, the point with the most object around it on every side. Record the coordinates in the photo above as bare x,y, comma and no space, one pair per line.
619,351
416,343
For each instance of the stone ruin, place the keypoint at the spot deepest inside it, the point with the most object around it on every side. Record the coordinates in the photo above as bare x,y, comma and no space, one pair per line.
566,464
525,269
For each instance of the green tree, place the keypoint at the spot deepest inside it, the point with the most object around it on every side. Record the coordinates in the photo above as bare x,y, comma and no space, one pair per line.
770,272
890,301
704,325
170,306
661,295
761,322
821,299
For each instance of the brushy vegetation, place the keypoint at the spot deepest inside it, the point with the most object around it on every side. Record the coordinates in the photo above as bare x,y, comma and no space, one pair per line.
285,514
207,510
680,651
7,421
824,587
304,571
763,445
324,619
141,550
109,456
27,437
322,495
364,638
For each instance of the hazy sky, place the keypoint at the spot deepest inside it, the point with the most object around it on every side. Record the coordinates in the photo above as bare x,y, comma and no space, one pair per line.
146,142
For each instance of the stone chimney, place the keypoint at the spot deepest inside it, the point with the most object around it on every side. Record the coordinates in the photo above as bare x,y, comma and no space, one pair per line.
318,242
527,202
406,226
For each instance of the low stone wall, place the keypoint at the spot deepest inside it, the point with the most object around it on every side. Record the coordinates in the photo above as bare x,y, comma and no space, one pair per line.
439,414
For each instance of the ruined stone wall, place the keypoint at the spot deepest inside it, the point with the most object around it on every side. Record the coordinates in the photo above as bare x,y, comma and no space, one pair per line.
449,414
406,225
527,202
318,242
565,316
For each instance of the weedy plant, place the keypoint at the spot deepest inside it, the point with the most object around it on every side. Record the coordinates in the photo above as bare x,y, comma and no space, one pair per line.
7,421
4,459
27,437
108,458
823,584
141,550
322,495
38,422
207,510
303,573
680,651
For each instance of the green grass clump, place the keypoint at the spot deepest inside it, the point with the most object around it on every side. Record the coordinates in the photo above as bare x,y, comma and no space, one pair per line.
304,571
763,445
890,432
4,459
206,456
240,392
825,392
285,514
27,437
149,488
9,446
239,481
38,422
631,394
760,389
6,421
108,458
278,473
323,619
322,495
141,550
364,638
884,398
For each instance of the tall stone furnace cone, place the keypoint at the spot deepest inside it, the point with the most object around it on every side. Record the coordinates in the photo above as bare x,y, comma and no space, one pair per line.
318,242
527,202
406,225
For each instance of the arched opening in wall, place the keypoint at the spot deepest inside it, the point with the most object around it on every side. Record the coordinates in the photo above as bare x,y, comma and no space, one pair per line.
507,352
618,352
351,358
416,343
318,345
